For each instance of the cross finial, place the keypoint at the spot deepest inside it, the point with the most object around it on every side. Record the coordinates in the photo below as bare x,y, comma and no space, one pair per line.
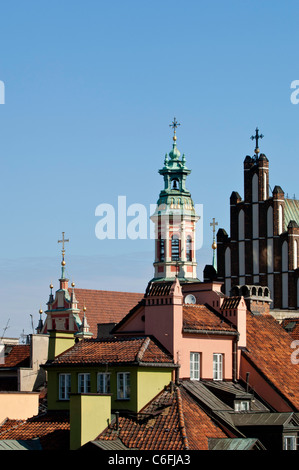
174,125
256,137
213,224
63,241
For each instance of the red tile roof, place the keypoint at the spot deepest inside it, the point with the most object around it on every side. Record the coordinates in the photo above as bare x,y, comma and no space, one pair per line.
269,349
127,350
105,306
291,325
52,429
171,421
19,356
200,317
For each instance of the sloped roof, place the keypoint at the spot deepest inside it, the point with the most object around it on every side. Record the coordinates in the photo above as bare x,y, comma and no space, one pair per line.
19,356
291,325
171,421
269,350
201,317
235,444
124,350
52,430
291,212
105,306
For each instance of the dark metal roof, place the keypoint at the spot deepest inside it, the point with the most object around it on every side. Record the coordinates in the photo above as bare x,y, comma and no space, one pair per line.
115,444
267,419
235,444
12,444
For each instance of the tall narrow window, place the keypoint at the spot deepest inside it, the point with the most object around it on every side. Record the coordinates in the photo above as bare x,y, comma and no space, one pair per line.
194,365
175,248
123,385
64,386
103,385
83,383
189,248
217,366
162,249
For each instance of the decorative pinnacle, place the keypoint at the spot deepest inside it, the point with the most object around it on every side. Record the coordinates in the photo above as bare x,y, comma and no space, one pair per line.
257,137
174,125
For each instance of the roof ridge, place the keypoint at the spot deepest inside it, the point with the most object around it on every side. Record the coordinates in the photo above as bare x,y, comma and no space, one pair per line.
181,419
143,348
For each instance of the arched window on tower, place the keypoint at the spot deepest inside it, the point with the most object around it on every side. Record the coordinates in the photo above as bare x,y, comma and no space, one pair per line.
175,184
189,248
162,249
175,248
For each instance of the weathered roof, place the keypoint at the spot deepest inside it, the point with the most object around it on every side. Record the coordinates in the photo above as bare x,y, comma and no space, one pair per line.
291,325
266,419
291,212
52,430
269,351
201,318
19,356
171,421
230,303
105,306
32,444
141,350
235,444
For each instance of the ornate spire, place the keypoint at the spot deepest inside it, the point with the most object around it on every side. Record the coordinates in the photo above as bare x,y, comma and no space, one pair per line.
214,244
174,153
63,241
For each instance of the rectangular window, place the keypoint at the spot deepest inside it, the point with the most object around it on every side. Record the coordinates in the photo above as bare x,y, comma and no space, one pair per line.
83,383
64,386
103,385
218,366
289,443
194,366
242,405
123,385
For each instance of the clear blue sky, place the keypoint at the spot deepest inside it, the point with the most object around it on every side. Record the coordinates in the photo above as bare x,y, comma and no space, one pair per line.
90,90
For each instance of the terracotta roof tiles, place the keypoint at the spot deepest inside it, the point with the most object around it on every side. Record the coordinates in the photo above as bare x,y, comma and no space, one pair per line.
105,306
128,350
200,317
19,356
269,348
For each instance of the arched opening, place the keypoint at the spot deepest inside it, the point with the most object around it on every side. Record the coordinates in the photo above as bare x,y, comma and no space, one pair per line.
162,249
189,248
175,248
175,184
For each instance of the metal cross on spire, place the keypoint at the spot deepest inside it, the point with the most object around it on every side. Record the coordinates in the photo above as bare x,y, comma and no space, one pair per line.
63,241
174,125
213,224
256,137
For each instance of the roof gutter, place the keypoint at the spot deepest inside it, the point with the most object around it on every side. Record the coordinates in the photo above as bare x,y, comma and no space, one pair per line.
211,332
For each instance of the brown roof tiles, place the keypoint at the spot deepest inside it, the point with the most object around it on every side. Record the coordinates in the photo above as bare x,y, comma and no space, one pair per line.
200,317
269,349
105,306
19,356
128,350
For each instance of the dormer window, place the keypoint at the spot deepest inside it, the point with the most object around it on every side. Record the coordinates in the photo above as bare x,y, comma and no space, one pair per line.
242,405
175,184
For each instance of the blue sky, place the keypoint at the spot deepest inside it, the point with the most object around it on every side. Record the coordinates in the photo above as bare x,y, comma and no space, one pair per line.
90,90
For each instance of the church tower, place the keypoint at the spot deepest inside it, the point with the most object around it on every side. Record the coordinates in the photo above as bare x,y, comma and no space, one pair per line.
175,220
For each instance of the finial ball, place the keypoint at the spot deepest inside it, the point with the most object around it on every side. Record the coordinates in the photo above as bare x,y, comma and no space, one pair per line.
73,284
214,245
84,309
40,311
63,263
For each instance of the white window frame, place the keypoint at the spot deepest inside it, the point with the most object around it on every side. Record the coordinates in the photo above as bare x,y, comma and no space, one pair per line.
194,365
64,386
292,440
123,386
242,405
103,382
84,383
217,366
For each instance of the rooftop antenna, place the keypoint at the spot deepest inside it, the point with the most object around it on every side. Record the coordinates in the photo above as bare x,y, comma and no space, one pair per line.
4,330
